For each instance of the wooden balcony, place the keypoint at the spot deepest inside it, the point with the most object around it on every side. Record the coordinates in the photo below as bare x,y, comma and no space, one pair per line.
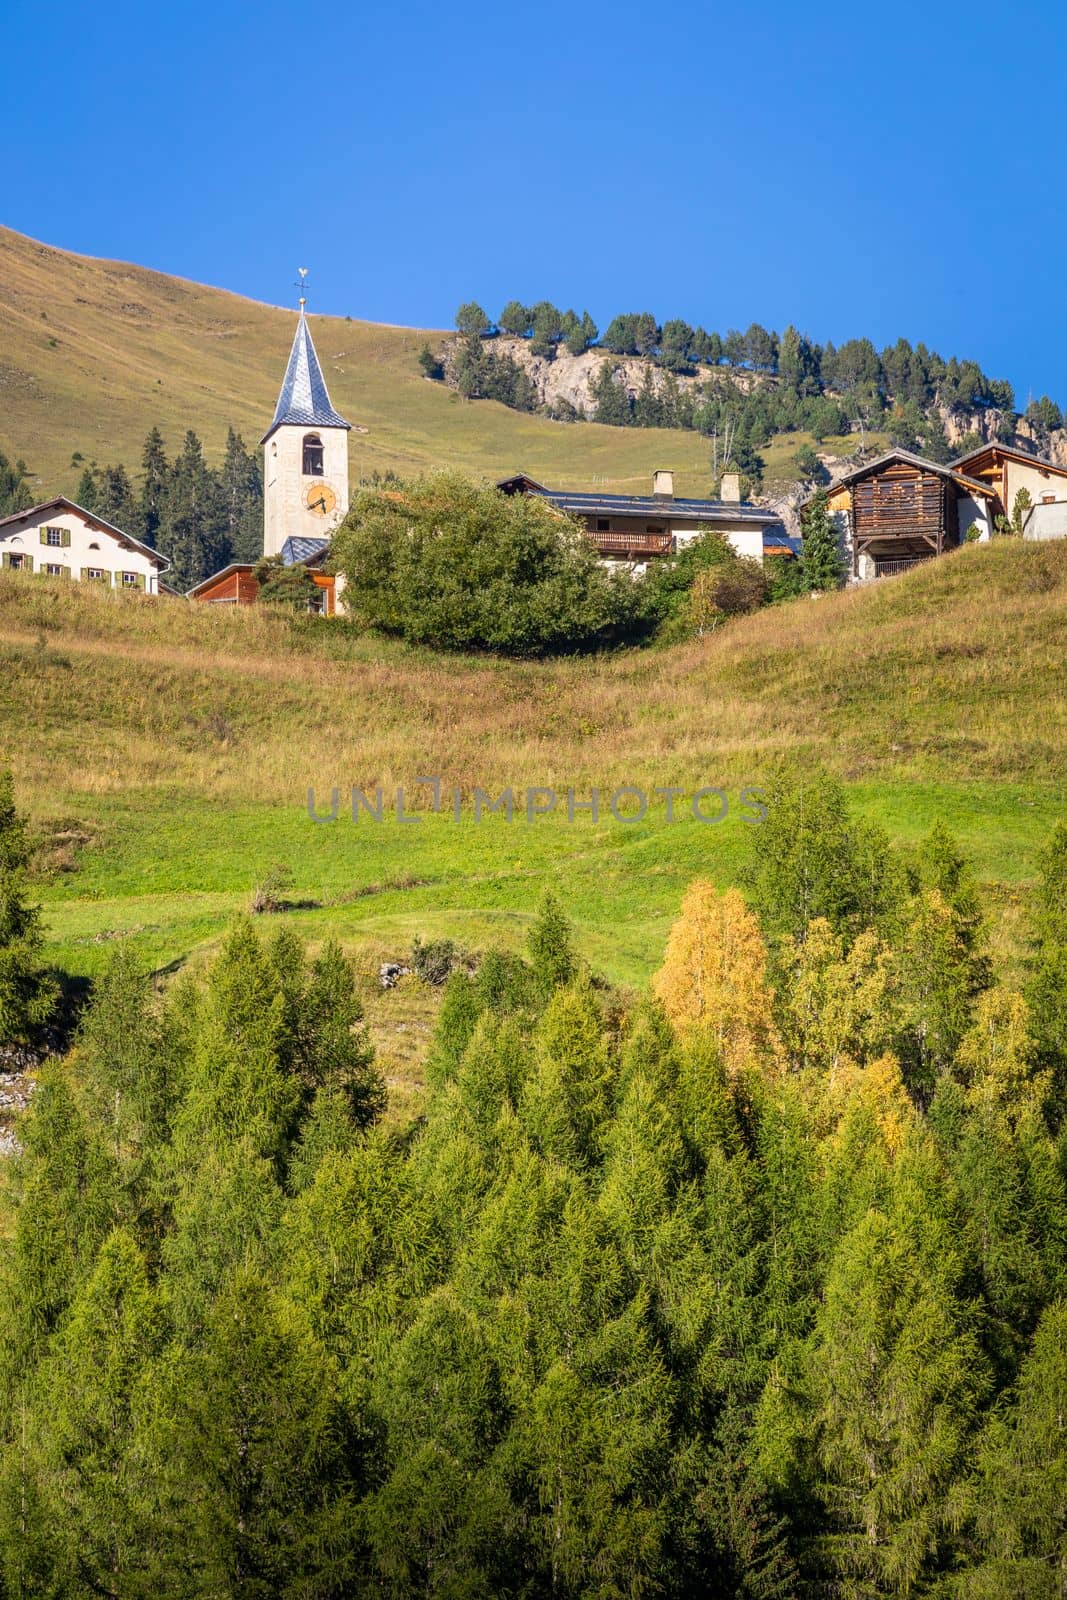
630,546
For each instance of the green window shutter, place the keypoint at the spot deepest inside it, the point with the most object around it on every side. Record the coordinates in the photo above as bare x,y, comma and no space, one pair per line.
66,539
5,559
85,573
44,535
140,580
28,563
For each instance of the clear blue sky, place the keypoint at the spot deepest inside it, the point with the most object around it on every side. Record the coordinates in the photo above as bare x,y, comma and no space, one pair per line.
857,170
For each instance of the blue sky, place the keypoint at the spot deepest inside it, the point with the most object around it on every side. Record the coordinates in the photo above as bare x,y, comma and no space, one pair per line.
856,170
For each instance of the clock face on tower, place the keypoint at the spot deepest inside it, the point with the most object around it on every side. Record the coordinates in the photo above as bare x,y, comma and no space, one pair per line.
320,499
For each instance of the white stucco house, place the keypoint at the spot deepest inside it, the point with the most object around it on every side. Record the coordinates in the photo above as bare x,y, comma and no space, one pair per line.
62,540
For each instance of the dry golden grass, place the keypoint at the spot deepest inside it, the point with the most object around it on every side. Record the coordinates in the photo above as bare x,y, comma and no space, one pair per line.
954,671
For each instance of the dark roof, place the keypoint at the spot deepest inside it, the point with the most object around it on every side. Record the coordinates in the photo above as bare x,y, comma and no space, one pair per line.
643,505
162,562
298,548
304,399
778,539
914,461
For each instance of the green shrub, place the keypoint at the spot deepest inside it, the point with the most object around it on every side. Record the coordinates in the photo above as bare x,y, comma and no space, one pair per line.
703,585
434,960
284,586
459,566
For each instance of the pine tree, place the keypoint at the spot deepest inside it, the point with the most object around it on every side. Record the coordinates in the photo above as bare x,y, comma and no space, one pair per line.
239,1090
82,1436
87,494
252,1443
821,559
126,1060
1046,987
15,491
440,1523
194,536
551,947
155,484
810,859
834,1004
115,501
65,1196
569,1096
27,994
323,1041
242,495
895,1380
1019,1492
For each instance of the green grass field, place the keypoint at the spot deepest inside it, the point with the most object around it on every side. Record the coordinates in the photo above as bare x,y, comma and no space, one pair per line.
164,753
93,353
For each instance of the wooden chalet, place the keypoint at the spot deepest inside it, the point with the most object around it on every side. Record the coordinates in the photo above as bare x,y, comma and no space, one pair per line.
1007,471
237,585
638,528
901,509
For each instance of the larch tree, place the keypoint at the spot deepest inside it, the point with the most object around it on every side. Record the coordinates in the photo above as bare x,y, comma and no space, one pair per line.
713,978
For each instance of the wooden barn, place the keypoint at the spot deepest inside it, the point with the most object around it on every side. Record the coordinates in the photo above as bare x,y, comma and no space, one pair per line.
236,585
901,509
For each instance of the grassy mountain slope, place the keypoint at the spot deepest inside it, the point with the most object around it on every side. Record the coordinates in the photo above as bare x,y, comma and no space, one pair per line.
92,353
172,749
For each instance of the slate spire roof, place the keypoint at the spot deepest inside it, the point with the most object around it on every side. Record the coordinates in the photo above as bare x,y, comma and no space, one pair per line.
304,399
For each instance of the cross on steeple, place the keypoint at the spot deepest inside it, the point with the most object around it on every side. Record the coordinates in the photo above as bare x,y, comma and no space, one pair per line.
301,284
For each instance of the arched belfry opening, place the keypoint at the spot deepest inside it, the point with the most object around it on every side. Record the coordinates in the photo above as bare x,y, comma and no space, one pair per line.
312,456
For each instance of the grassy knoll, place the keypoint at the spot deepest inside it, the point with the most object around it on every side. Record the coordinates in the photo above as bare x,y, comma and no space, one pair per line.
147,348
165,752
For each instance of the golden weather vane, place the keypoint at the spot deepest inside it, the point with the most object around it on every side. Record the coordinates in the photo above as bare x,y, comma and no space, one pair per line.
301,284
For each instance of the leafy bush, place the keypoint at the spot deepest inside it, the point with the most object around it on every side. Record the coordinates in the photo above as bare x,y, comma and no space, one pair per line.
457,566
703,585
434,960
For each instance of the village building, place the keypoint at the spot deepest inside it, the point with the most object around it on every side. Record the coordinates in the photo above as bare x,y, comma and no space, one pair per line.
1029,485
237,584
62,540
639,528
901,509
305,453
306,496
305,485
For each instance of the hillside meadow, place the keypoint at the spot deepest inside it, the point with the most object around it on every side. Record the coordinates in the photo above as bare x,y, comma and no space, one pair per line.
164,753
154,349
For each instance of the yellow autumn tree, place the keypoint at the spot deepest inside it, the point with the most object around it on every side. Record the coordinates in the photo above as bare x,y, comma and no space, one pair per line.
835,999
713,979
995,1060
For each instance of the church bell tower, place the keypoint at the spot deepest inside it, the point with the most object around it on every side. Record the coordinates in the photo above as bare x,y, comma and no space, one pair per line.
305,453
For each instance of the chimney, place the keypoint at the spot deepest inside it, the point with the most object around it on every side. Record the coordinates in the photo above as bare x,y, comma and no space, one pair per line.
730,487
663,484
